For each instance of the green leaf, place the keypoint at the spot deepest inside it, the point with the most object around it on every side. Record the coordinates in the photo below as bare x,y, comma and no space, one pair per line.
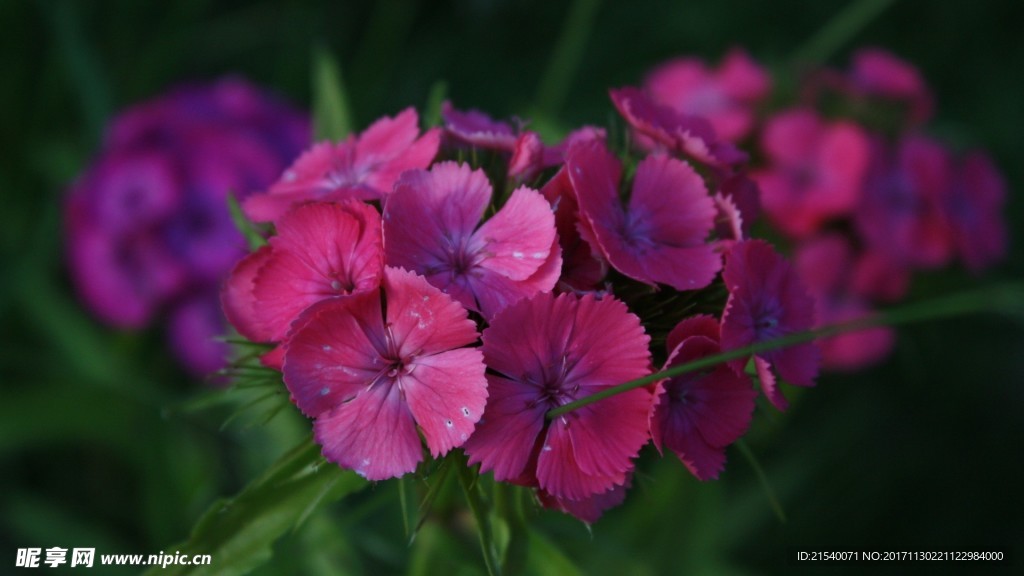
244,225
239,532
332,116
1003,299
468,478
842,28
438,482
769,492
435,100
547,559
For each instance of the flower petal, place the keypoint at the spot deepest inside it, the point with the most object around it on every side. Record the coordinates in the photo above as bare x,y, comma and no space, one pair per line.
372,434
446,393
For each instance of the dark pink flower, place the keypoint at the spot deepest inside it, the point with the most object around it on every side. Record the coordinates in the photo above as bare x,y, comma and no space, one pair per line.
544,352
376,369
659,237
432,226
766,301
590,509
829,268
691,136
699,414
974,209
147,226
877,276
880,74
902,213
727,96
477,129
815,170
582,268
321,250
363,167
193,329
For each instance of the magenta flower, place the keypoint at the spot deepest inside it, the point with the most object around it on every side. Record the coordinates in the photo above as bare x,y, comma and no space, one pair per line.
147,227
876,73
431,226
590,509
815,170
830,270
321,250
767,301
699,414
727,96
691,136
544,352
363,167
376,369
902,214
974,209
659,237
582,268
477,129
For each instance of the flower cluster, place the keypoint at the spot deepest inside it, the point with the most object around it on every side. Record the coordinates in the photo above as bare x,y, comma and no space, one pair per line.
416,302
848,175
147,226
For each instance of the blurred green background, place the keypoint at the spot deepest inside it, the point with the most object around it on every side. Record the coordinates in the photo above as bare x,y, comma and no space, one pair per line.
98,447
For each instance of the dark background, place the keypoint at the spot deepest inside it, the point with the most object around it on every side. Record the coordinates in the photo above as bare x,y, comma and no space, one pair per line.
96,448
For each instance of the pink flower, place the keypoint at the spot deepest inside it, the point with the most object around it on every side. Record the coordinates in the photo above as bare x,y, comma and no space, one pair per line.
767,301
902,214
582,268
974,209
373,368
148,233
477,129
726,97
321,250
431,226
544,352
738,202
691,136
659,237
829,268
815,170
878,73
362,167
193,329
699,414
590,509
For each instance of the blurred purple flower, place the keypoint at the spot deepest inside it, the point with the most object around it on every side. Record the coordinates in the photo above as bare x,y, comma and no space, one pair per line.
147,226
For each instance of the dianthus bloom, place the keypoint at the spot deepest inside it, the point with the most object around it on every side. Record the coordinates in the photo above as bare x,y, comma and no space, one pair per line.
699,414
362,167
767,301
431,226
321,250
726,96
974,208
673,131
816,170
659,237
876,73
902,214
831,271
148,229
544,352
376,369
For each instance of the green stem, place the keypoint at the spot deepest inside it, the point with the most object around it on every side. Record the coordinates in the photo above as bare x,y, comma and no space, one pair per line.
554,86
773,500
839,30
998,298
